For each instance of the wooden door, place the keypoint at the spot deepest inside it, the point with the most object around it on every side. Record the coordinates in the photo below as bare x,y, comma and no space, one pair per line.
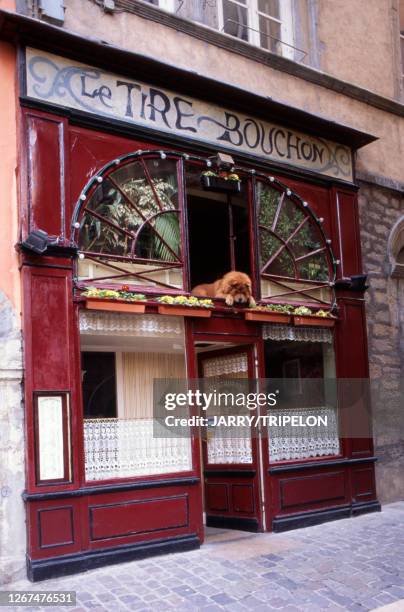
230,453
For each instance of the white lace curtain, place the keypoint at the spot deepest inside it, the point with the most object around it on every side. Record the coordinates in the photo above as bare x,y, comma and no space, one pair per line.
119,448
293,442
227,445
122,324
226,365
299,334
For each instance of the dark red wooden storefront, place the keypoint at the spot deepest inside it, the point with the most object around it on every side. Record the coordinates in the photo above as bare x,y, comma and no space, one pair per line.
74,523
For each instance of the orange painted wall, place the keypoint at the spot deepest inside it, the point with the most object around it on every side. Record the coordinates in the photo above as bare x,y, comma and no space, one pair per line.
9,274
7,5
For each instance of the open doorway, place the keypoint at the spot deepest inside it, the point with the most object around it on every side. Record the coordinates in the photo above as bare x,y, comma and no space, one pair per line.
218,225
229,453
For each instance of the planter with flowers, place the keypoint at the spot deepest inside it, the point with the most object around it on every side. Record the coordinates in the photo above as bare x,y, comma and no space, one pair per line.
221,181
303,316
184,306
122,300
270,313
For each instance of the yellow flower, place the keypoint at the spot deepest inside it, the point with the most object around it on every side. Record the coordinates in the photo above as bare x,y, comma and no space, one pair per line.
111,294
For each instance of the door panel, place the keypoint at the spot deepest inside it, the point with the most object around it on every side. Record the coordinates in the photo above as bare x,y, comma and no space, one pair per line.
231,474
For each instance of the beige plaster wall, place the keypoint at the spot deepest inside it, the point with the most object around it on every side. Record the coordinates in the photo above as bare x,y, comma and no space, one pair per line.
358,40
132,32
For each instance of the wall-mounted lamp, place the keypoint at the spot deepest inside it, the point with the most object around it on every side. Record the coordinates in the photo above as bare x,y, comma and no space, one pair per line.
37,241
356,282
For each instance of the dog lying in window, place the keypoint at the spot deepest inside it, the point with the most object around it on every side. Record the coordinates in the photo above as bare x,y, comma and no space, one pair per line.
234,287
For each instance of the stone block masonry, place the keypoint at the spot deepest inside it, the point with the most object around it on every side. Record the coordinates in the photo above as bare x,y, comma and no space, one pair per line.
379,210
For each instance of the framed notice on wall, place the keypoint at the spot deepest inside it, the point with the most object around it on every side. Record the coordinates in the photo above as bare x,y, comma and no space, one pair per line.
52,438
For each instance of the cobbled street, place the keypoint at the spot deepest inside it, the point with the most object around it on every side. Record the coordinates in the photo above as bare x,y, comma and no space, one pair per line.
351,564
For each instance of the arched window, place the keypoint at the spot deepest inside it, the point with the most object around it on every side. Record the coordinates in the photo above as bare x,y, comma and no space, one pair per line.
128,228
395,249
294,257
128,223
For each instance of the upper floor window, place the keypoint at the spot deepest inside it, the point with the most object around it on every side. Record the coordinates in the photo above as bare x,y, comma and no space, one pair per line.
263,23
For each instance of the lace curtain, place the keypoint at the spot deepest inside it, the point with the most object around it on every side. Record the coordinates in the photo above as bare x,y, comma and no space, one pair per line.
118,324
292,442
299,334
226,366
228,444
119,448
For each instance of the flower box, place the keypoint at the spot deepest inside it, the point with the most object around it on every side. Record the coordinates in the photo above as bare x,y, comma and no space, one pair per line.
115,305
267,316
183,311
313,321
217,183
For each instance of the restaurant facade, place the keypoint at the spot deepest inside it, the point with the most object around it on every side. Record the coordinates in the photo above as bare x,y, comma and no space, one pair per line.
138,181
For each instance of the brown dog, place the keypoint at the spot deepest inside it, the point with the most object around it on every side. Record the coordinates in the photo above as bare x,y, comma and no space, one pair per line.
234,287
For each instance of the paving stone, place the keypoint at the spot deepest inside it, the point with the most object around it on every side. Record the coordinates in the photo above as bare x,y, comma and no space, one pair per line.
352,564
222,599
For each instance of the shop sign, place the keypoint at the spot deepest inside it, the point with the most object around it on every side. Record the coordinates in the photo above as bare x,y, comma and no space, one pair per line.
71,84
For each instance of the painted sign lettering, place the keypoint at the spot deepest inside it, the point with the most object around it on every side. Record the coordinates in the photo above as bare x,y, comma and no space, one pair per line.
70,84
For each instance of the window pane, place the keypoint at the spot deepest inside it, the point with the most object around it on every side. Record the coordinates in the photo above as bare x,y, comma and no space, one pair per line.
290,235
152,190
310,389
99,385
268,199
282,265
160,239
270,34
134,214
307,239
97,236
235,20
314,268
269,244
269,7
289,218
119,437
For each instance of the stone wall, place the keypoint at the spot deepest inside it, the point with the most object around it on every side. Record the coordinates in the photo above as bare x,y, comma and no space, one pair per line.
12,471
379,210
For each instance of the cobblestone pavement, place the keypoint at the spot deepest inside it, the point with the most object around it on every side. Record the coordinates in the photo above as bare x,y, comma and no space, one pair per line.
351,564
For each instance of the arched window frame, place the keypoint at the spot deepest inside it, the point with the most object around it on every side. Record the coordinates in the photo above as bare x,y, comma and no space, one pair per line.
180,261
395,245
310,216
246,174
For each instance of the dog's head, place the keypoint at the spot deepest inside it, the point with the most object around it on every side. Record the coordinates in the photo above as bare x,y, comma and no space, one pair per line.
238,285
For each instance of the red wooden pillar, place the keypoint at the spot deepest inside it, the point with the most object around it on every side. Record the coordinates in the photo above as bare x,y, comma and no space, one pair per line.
51,408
